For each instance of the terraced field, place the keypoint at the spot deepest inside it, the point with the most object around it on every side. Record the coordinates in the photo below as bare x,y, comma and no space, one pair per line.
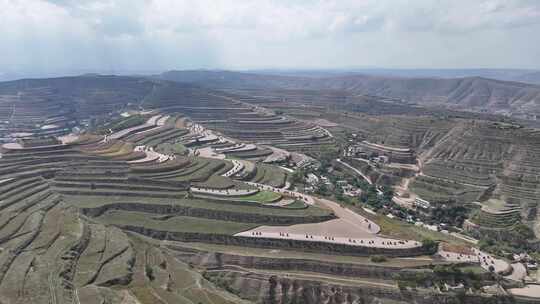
460,161
497,214
66,207
176,200
238,119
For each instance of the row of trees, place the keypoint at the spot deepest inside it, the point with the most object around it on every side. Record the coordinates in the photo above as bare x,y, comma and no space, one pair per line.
440,275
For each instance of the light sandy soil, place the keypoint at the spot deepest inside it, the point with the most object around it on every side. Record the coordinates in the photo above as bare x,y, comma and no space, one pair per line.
228,192
277,155
148,158
287,169
12,146
21,134
385,147
281,203
324,123
151,155
350,218
349,228
248,165
403,166
485,260
334,231
69,138
5,180
237,167
48,127
162,120
519,272
527,291
148,130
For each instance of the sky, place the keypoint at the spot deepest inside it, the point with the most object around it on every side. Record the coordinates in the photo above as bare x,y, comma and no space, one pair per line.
56,36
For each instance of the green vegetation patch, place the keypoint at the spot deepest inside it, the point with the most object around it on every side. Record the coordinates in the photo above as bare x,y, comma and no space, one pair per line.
270,175
441,191
172,148
121,123
263,197
97,201
219,182
403,230
174,224
297,204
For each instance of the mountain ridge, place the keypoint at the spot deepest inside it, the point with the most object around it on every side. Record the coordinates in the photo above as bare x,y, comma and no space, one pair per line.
477,94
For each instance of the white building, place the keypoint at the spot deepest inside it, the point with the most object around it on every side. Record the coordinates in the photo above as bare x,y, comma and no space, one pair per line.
312,179
418,202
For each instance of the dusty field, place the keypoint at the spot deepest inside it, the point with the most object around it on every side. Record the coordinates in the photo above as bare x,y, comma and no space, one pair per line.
476,256
350,228
527,291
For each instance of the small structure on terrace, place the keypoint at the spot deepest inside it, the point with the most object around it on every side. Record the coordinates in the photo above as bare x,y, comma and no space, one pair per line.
388,153
422,203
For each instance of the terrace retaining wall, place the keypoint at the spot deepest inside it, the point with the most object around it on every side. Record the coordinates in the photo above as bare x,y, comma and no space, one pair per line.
178,210
218,260
269,289
307,246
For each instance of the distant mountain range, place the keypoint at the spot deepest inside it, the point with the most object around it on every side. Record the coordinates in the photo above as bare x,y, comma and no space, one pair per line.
477,94
519,75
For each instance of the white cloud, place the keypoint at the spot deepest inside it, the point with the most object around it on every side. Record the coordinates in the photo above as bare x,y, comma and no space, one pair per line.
161,34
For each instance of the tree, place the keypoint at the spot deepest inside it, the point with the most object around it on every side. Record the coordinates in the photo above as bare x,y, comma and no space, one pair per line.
454,215
298,176
388,193
338,193
402,285
323,189
523,232
430,245
377,258
150,272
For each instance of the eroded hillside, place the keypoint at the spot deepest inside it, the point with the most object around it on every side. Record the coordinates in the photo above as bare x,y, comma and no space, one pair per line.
144,191
469,94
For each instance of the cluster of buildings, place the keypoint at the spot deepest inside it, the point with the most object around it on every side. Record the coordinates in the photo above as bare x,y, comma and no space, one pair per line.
313,181
421,203
379,153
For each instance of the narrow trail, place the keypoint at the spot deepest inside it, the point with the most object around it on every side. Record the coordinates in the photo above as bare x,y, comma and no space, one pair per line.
355,170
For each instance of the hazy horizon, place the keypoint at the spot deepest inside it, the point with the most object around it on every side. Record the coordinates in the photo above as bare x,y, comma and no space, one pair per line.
58,36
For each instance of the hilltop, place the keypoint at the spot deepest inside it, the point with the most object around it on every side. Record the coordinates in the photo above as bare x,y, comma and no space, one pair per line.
470,93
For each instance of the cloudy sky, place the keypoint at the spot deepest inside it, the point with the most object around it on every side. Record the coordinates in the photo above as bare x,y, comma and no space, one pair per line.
153,35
